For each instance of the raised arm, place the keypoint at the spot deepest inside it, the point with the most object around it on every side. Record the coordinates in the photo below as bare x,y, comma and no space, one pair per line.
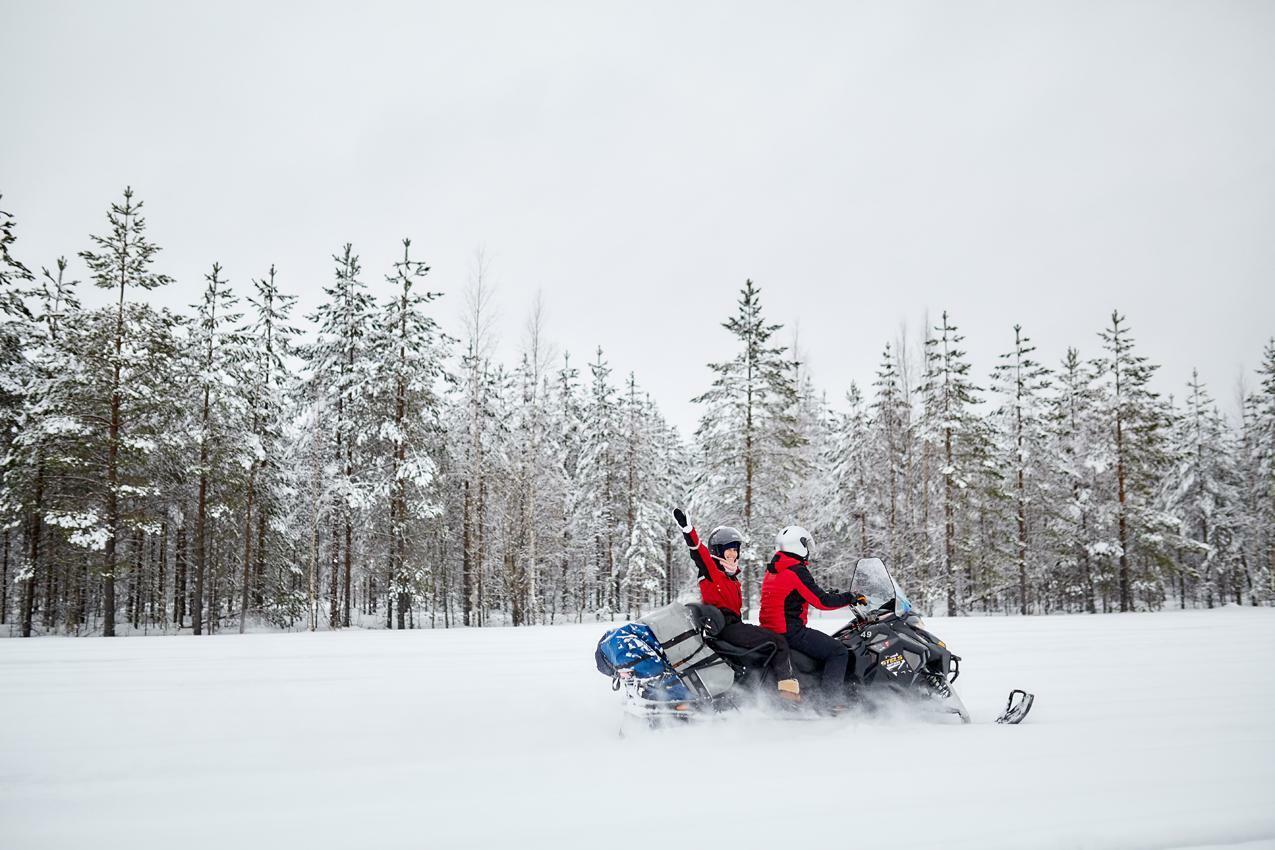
703,559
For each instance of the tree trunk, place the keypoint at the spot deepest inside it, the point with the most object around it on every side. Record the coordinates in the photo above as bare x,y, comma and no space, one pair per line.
345,604
259,566
112,503
949,527
161,588
179,576
1126,596
201,516
466,563
35,532
4,581
480,608
211,584
137,579
247,551
334,576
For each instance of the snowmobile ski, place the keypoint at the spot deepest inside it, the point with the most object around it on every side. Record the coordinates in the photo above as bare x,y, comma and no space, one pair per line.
1015,711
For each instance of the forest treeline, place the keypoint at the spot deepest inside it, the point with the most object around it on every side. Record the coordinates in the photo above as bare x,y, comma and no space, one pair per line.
238,465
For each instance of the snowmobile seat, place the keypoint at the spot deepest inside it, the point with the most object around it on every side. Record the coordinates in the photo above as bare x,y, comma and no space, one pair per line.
721,647
757,656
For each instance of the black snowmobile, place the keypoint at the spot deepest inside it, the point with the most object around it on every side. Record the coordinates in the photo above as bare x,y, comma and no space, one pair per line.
891,655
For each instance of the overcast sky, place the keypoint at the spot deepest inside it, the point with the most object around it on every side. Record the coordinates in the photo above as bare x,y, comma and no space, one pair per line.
866,164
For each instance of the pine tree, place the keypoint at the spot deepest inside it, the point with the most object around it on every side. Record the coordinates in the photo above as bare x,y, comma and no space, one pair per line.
339,363
810,501
1260,430
646,495
15,331
890,435
407,351
851,468
1135,419
566,418
599,477
748,432
1020,382
269,343
216,353
1075,458
952,420
1203,491
121,262
40,427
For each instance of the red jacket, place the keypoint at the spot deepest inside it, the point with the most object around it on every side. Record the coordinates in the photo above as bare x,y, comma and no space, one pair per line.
788,591
715,586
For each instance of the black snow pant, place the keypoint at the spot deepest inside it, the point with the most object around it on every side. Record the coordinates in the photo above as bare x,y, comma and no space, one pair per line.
747,635
833,653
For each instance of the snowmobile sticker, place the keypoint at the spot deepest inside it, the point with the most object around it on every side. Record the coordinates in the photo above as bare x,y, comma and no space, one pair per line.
893,662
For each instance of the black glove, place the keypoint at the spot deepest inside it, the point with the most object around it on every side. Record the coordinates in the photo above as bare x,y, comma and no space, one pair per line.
857,599
680,516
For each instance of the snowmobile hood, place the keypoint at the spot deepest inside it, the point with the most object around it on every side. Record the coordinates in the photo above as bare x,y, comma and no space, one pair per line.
783,561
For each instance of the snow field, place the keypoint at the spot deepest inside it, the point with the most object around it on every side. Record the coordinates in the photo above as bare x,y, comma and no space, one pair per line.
1149,731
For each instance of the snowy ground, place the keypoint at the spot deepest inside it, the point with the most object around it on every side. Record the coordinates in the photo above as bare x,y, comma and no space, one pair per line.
1149,731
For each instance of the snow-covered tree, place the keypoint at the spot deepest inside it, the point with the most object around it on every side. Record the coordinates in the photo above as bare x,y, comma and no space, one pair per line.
407,352
748,435
15,332
598,477
267,382
891,417
217,355
120,262
338,362
1135,424
1076,459
1203,493
950,420
1019,383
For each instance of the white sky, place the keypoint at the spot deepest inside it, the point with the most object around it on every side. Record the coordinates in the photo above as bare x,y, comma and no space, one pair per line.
864,163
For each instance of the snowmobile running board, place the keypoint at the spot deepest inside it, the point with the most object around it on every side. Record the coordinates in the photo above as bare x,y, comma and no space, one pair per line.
1015,712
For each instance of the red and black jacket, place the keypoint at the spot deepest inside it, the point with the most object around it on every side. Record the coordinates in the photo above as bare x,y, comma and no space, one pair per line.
788,591
715,586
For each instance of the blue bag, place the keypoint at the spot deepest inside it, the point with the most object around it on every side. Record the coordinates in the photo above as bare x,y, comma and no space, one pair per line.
631,647
631,652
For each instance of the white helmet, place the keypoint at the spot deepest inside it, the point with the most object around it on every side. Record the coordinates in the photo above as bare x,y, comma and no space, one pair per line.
796,541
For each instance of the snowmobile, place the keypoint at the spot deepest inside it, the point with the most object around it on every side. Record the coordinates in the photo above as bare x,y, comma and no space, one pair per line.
685,673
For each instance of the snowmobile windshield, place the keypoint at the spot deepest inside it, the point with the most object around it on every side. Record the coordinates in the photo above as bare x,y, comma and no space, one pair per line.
874,581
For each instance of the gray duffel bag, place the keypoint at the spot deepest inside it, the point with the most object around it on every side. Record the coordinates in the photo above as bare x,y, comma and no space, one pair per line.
703,670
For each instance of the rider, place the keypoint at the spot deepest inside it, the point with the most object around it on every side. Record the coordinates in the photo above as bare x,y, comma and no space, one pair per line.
788,591
718,565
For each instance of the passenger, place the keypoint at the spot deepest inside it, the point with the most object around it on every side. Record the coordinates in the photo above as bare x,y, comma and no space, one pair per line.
787,592
718,564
